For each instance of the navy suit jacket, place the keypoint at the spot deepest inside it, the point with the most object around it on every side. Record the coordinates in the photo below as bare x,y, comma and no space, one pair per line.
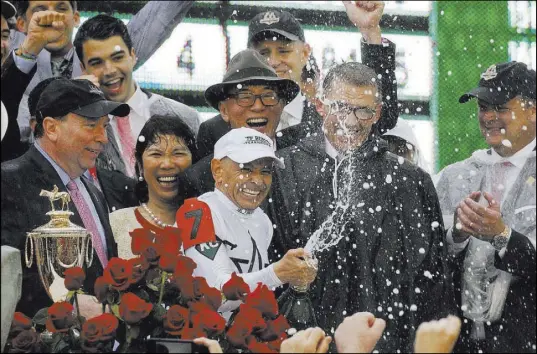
23,210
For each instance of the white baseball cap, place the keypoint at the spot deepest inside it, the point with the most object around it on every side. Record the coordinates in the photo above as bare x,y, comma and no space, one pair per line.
244,145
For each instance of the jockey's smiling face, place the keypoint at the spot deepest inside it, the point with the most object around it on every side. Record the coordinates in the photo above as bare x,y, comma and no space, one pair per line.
246,185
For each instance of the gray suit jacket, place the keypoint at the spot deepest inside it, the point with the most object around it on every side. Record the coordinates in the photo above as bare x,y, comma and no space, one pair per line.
147,36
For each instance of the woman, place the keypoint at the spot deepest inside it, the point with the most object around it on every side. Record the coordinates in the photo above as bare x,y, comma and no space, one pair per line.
164,149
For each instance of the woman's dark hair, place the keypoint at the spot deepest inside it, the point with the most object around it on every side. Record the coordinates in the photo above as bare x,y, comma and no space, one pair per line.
312,72
156,127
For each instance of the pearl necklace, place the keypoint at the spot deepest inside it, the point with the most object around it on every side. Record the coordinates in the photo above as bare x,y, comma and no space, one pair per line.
154,217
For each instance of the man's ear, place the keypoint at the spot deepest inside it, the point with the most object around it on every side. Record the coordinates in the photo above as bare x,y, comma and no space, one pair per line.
377,113
320,107
306,51
76,18
50,128
22,24
222,107
216,169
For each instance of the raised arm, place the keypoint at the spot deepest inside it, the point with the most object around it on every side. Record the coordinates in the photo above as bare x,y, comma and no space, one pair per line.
153,24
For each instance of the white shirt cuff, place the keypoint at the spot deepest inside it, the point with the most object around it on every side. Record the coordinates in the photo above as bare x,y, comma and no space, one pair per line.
23,64
274,280
453,247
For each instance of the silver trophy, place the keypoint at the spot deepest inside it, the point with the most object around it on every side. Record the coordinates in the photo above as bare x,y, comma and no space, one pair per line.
58,245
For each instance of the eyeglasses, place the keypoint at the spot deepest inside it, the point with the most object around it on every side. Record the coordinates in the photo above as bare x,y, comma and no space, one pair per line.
247,99
344,109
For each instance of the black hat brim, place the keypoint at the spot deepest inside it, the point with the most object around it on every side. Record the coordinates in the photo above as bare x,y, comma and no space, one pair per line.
102,108
8,10
285,34
488,95
287,89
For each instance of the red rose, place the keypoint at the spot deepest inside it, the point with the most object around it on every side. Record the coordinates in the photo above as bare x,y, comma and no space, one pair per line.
140,239
102,287
175,320
167,262
212,297
184,267
258,347
209,321
132,309
100,329
60,317
139,267
192,333
118,271
200,287
237,333
235,288
74,278
20,323
168,241
251,316
27,341
263,299
277,343
186,286
275,329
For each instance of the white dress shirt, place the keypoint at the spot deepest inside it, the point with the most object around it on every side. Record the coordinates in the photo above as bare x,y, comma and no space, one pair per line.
294,111
139,114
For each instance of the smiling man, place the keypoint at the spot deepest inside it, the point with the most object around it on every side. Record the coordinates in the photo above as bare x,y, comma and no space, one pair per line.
230,233
72,116
490,199
344,182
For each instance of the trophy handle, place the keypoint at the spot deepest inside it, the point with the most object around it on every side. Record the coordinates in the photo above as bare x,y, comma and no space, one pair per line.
30,260
89,250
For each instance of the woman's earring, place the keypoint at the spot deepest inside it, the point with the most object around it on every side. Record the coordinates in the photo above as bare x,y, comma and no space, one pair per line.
141,178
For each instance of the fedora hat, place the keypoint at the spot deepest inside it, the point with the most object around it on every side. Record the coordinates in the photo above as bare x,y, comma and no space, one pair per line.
249,67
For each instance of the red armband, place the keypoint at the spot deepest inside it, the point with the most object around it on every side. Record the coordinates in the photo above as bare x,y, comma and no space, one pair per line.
195,221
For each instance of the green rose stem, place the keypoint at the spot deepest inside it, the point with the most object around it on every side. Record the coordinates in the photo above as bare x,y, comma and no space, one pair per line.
162,282
128,340
80,318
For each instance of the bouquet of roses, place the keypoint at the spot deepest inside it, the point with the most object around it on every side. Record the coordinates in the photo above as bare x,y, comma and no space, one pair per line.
153,295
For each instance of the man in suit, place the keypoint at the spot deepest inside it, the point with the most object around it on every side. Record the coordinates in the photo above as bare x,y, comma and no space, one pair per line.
72,116
489,199
279,37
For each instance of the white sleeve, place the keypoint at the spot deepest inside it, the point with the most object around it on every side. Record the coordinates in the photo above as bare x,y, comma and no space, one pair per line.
23,64
218,271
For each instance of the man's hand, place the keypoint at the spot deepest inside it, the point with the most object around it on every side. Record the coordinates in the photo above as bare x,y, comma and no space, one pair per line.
359,333
437,336
366,17
311,340
94,80
293,269
479,220
212,345
45,27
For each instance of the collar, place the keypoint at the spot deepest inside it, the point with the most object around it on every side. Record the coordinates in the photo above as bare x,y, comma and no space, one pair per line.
518,159
138,101
61,172
296,106
232,206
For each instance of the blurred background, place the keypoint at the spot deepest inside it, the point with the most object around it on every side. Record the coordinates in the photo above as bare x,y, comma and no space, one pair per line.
442,48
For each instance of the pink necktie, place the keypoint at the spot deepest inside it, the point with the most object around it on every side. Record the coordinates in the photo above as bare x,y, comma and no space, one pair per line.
498,180
127,143
89,222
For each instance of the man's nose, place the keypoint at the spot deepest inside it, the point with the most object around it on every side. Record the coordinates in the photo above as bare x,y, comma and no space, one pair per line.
274,59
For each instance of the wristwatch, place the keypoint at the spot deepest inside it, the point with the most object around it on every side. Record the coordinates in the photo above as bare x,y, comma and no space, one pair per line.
500,241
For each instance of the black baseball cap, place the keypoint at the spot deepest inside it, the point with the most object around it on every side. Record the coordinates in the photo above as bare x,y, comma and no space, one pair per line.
8,10
82,97
280,23
502,82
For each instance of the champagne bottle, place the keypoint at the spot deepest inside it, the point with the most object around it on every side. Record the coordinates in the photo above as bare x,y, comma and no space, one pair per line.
295,305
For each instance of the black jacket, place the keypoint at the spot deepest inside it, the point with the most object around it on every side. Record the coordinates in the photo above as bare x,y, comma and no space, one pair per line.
392,259
13,83
381,58
23,210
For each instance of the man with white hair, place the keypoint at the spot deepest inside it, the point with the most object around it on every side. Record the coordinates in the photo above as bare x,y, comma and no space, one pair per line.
230,233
